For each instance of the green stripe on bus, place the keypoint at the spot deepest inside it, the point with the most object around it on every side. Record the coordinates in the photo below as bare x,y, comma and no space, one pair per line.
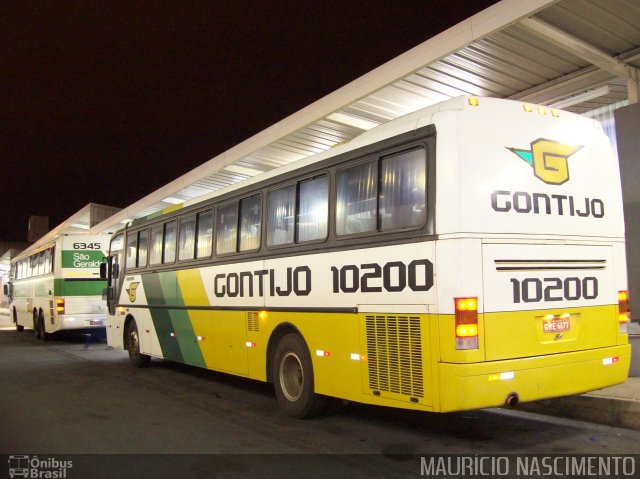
65,287
180,320
162,289
161,318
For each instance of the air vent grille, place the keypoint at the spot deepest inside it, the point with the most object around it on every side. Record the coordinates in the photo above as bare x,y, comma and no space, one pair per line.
394,352
252,321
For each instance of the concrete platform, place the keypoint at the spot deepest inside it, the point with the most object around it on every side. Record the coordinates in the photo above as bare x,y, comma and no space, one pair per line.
5,318
615,406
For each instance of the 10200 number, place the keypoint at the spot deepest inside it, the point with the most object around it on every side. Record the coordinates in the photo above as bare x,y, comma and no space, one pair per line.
534,290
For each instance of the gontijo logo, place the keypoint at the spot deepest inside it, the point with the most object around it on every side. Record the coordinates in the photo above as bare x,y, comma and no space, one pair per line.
133,287
549,159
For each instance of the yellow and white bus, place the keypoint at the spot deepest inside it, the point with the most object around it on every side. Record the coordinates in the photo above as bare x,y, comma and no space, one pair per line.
467,255
57,286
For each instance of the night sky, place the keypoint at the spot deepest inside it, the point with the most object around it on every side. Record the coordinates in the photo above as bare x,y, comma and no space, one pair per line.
105,102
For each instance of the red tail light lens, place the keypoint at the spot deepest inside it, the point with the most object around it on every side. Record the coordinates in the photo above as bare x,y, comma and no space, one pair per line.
466,323
624,315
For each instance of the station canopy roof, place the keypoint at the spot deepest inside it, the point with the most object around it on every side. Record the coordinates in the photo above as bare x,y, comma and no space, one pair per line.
576,55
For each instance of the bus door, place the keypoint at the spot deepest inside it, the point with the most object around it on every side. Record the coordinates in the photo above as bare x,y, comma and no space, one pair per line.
115,275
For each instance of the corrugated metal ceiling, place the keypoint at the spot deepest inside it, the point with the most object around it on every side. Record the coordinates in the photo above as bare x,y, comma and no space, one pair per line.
513,61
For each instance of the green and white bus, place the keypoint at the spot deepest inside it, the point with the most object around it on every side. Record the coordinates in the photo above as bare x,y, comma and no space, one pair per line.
467,255
57,286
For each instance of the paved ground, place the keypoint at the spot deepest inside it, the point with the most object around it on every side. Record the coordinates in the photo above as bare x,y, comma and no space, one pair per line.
74,396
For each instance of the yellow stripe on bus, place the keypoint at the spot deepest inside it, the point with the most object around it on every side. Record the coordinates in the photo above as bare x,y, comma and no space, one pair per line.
193,294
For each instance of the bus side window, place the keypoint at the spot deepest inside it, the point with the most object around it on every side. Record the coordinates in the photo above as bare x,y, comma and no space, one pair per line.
205,234
250,223
227,229
33,265
155,256
313,209
47,261
132,246
143,247
281,211
403,180
356,200
169,242
186,249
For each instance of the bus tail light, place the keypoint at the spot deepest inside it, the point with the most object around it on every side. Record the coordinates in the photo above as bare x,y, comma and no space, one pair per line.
60,306
623,310
466,323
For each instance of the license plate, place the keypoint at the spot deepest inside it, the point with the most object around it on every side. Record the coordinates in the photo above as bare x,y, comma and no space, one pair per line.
95,322
556,325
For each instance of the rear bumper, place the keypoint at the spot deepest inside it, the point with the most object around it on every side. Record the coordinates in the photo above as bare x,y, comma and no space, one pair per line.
82,321
474,386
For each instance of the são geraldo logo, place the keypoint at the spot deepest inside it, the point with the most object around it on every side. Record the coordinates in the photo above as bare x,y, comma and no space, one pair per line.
549,159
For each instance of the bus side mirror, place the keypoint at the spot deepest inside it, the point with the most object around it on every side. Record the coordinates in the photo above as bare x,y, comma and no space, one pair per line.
103,270
115,271
5,289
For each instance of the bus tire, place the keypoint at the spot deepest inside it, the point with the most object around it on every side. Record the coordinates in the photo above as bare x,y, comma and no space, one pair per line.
44,336
36,326
293,379
138,359
19,327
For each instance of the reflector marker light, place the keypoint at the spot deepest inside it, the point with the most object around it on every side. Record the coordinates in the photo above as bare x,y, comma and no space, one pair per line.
528,108
473,101
320,352
608,361
173,335
200,338
542,110
501,376
355,356
250,344
262,315
555,113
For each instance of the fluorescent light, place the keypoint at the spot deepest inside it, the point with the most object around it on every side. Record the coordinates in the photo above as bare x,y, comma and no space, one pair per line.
352,120
173,201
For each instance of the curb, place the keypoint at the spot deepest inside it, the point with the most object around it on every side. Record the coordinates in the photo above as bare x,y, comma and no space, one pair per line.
587,407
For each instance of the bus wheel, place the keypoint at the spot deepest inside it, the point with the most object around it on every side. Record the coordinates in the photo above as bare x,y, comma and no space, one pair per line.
138,359
293,379
44,336
19,327
36,326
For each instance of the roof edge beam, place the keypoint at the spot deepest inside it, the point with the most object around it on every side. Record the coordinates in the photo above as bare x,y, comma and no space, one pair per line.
580,48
